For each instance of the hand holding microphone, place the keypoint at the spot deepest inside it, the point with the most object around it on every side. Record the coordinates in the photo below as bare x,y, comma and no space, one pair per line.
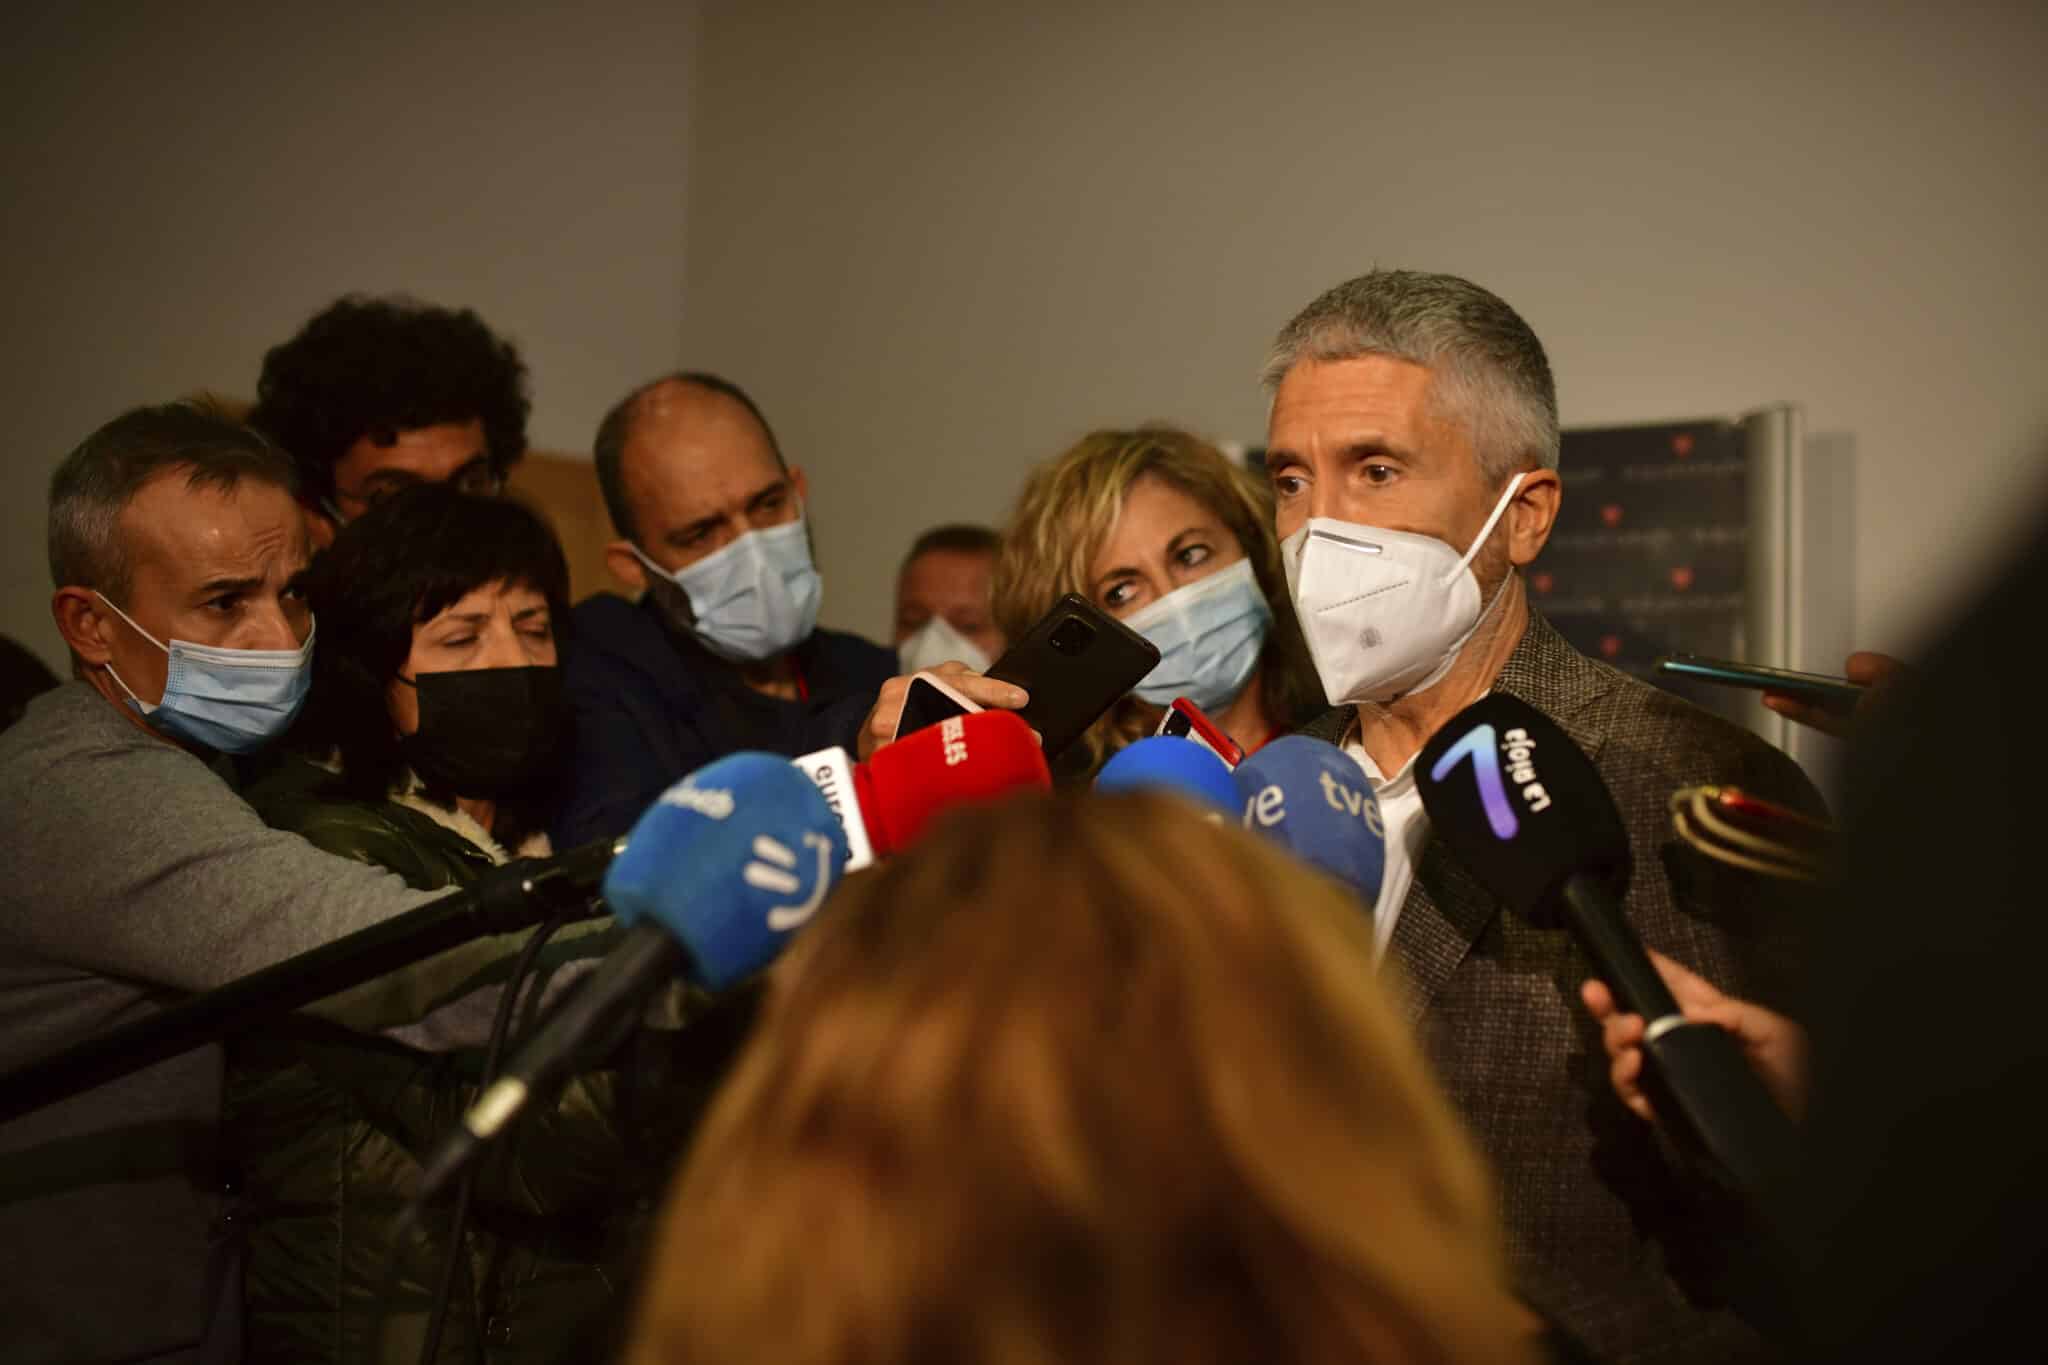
1775,1045
1525,811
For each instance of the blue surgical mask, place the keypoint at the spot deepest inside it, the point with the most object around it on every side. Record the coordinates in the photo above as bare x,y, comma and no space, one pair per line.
1209,635
753,599
230,700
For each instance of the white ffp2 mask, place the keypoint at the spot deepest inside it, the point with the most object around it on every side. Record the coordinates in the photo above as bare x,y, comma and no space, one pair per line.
936,642
1385,613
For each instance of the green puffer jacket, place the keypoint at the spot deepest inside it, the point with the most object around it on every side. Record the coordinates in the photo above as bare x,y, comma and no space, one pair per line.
327,1126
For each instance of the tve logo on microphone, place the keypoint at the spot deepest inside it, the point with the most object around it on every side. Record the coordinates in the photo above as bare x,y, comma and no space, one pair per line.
953,733
1480,745
1267,806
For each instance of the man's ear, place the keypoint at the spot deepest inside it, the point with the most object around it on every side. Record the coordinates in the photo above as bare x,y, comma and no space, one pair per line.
320,527
625,566
85,623
1531,515
802,487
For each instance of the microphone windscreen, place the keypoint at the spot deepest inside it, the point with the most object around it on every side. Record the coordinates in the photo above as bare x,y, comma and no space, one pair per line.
1313,799
961,760
1167,763
1520,806
730,861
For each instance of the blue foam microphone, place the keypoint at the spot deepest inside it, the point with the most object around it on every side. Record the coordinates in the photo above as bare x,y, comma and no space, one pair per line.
714,878
1315,801
1165,763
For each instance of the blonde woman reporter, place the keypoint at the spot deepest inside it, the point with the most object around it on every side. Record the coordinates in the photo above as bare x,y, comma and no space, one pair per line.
1163,531
1145,1103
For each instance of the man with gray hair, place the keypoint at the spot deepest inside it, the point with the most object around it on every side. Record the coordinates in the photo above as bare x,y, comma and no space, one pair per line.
1416,412
136,874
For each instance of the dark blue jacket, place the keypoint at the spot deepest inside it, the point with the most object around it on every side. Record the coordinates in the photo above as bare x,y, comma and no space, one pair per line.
651,706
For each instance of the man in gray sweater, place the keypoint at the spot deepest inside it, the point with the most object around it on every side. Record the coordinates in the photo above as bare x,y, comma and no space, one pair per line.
136,874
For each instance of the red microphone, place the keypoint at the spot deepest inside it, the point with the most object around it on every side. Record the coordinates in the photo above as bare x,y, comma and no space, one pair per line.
885,803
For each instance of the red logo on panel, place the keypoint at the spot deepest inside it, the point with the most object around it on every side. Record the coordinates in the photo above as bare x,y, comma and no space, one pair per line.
1610,646
1611,514
1681,444
1542,582
1681,577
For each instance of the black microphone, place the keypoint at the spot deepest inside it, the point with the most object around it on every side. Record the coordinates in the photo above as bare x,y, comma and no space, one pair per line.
1525,811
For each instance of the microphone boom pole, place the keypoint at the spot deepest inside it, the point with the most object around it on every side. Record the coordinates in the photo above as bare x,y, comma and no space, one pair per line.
510,898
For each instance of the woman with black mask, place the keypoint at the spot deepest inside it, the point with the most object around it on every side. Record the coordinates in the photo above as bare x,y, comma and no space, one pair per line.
429,746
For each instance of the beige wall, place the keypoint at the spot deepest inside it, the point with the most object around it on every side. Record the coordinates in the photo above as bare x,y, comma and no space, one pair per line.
940,241
187,183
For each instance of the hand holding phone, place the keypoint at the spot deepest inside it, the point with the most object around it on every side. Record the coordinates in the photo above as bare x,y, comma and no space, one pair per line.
880,726
929,700
1076,662
1818,689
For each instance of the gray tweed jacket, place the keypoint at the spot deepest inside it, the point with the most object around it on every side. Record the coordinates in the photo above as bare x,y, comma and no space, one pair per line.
1607,1234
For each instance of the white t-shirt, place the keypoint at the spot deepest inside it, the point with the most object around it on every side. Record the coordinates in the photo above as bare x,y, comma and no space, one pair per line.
1407,827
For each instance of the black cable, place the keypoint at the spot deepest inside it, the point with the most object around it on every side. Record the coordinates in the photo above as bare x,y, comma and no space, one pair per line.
494,1049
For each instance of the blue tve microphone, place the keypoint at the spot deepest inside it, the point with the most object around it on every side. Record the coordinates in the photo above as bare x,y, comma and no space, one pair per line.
1315,801
715,876
1166,763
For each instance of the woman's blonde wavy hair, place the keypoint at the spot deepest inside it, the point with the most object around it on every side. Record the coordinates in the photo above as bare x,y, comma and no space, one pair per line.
1080,1079
1070,506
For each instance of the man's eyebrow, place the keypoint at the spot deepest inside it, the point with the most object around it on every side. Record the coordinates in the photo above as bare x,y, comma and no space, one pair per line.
1372,445
537,609
213,587
779,486
391,474
682,533
465,617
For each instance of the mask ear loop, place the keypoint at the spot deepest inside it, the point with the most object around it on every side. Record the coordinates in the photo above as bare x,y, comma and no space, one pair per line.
1499,510
146,706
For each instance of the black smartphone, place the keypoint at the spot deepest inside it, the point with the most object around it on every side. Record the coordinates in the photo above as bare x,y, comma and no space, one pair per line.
1838,694
928,702
1076,663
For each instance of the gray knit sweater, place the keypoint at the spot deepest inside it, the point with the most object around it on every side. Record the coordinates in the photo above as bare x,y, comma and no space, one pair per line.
131,871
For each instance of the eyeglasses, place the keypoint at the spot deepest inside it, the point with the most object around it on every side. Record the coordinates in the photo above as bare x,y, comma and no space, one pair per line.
478,480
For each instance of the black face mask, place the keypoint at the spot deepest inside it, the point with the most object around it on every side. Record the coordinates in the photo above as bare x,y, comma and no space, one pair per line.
487,732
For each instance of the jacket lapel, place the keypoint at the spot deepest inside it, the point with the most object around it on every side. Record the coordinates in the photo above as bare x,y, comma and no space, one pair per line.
1447,909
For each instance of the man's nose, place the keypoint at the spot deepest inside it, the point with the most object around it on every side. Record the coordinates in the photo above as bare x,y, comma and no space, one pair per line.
1324,501
282,625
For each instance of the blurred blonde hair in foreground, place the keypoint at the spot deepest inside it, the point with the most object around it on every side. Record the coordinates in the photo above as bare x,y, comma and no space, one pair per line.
1080,1079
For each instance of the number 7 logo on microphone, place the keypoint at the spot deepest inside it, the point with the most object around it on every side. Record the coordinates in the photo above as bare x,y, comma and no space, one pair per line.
1478,745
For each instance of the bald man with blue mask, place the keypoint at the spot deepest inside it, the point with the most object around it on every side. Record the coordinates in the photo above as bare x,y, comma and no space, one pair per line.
721,649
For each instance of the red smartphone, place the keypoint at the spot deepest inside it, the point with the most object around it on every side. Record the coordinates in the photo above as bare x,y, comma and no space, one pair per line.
1185,720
